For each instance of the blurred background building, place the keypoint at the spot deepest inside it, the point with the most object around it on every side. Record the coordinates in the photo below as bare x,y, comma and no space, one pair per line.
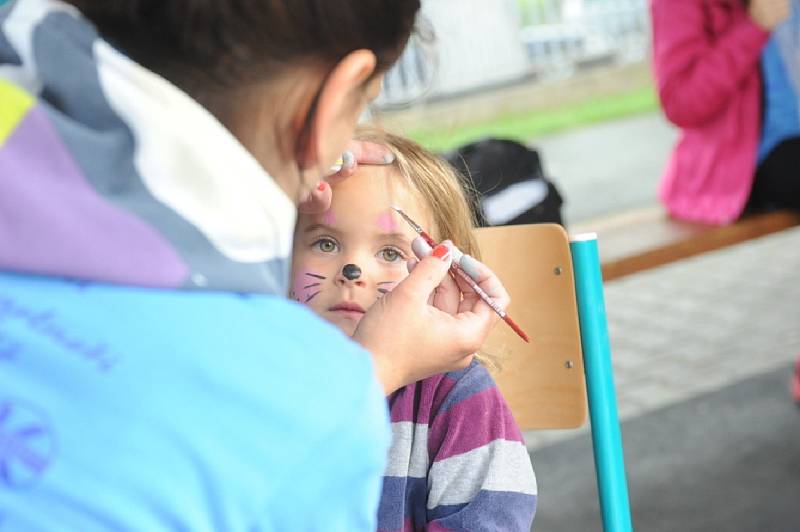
571,78
480,44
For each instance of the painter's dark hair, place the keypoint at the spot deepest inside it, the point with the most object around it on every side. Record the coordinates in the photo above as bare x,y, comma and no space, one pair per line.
210,45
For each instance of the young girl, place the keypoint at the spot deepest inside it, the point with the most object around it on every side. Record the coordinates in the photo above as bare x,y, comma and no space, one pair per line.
457,461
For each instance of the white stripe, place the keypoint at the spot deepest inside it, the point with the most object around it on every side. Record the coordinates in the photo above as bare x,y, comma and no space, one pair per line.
501,465
512,201
19,28
193,164
408,456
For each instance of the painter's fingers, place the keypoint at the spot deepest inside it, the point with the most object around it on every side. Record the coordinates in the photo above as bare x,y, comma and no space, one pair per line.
420,248
489,283
451,289
427,274
318,200
361,152
371,153
447,296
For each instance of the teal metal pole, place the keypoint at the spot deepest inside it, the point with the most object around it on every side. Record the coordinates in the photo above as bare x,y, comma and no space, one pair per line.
612,485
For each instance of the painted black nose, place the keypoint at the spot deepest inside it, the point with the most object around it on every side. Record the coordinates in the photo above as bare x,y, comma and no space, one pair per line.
351,272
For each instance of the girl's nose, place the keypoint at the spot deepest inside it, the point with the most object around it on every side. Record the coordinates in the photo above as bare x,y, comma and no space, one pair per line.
351,272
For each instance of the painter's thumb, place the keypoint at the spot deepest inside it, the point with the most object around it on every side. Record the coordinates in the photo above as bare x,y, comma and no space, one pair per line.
428,273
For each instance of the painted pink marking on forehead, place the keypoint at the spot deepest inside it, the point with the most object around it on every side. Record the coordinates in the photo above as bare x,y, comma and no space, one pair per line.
328,218
387,222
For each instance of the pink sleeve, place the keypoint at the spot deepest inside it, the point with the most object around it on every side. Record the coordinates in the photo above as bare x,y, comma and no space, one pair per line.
696,73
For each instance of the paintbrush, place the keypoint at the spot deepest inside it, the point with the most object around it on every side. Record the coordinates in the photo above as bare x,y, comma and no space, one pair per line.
457,269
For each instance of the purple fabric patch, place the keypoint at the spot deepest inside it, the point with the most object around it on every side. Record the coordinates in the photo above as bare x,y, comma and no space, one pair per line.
472,423
470,380
401,404
426,394
89,239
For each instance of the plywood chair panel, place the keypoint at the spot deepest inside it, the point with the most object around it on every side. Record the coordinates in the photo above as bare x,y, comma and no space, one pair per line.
543,381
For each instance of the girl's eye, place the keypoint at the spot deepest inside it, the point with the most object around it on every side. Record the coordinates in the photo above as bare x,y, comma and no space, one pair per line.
391,254
326,245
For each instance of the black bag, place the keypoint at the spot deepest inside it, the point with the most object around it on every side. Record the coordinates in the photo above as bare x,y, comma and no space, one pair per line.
510,182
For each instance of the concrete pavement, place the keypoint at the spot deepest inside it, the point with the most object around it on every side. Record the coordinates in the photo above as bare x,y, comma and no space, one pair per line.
728,460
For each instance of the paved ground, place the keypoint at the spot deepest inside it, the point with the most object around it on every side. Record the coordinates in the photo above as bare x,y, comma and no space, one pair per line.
726,324
608,168
724,461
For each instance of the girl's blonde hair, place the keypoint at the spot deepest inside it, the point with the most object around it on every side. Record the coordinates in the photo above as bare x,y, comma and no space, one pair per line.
437,183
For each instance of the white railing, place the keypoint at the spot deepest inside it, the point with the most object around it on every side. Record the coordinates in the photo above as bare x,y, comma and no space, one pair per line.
480,43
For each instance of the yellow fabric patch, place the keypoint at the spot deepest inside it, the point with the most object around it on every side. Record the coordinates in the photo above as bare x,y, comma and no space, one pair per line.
14,104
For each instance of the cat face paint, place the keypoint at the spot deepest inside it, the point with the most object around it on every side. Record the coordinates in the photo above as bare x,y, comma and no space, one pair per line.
306,286
360,231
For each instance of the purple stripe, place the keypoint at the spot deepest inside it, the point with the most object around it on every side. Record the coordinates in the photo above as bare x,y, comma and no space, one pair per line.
472,380
472,423
53,221
417,402
489,510
401,404
403,501
444,390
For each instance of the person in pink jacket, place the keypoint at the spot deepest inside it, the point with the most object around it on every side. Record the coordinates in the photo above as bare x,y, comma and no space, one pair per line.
706,56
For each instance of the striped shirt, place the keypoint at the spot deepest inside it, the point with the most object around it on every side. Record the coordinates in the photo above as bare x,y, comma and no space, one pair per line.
458,461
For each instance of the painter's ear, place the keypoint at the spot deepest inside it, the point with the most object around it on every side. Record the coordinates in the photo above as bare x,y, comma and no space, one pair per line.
349,87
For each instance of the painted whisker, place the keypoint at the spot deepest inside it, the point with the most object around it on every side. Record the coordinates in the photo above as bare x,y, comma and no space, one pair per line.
312,296
311,286
316,276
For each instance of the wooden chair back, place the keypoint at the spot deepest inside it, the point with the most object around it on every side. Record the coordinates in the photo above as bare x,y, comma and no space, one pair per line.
542,381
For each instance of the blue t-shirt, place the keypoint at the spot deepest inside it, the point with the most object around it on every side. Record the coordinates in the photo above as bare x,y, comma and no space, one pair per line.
136,409
781,114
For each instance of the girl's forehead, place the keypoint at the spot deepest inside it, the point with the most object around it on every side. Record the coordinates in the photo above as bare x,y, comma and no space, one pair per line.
368,195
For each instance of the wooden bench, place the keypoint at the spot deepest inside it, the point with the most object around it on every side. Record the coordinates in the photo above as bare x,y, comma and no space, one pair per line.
647,238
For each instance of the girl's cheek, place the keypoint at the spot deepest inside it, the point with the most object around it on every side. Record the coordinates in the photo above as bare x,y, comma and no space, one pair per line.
309,278
391,277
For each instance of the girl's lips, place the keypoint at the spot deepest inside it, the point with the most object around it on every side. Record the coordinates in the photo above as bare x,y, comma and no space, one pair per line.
347,310
347,306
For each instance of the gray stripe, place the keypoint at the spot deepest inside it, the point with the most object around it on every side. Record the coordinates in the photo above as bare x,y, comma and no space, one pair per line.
88,126
501,465
408,455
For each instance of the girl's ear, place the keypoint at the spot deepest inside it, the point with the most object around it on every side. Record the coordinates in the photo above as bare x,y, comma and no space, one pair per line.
341,100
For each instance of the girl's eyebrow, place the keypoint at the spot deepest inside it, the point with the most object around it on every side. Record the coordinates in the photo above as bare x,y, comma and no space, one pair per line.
396,236
320,227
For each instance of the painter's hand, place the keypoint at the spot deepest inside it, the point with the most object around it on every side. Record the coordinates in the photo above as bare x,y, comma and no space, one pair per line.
769,13
358,152
412,339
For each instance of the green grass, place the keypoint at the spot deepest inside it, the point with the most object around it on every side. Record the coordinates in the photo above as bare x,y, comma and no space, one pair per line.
529,125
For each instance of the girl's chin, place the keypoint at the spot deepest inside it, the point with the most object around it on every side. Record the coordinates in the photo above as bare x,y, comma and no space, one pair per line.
346,324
